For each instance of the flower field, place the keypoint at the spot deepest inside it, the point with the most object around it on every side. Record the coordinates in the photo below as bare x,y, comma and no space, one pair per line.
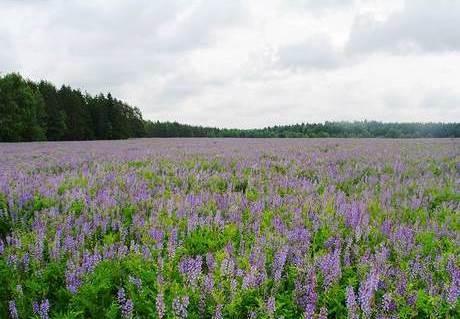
230,228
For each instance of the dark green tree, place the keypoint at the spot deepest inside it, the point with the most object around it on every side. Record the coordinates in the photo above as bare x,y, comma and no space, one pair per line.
56,117
22,113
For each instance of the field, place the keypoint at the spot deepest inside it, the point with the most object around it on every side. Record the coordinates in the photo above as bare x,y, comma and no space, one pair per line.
230,228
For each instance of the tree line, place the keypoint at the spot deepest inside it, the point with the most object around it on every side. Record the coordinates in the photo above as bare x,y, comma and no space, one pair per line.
31,111
36,111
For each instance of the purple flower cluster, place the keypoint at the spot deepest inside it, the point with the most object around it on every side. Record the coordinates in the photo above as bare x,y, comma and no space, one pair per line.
126,305
179,306
367,290
41,309
279,262
289,223
330,267
160,305
190,268
12,309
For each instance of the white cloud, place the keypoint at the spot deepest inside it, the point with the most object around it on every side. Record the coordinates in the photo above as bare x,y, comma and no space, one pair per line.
421,25
313,53
242,63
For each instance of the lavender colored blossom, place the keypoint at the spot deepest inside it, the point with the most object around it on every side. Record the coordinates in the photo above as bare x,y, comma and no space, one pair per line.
352,305
453,291
126,305
292,217
306,294
271,306
218,312
135,281
330,267
190,268
367,290
322,313
160,305
41,309
279,261
180,305
388,304
13,312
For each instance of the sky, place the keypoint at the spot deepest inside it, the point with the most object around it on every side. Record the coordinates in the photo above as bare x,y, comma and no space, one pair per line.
246,63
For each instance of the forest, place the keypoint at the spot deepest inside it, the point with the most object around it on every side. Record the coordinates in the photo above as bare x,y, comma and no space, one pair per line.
39,111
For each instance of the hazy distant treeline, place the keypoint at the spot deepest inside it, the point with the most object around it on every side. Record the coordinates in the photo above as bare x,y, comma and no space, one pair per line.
327,129
31,111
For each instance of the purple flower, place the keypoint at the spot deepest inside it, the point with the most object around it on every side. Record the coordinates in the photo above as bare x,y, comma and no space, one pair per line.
352,306
136,282
306,295
453,291
279,261
322,313
41,309
12,309
210,262
227,267
218,312
160,305
126,305
271,306
388,304
357,217
179,306
330,267
190,268
367,290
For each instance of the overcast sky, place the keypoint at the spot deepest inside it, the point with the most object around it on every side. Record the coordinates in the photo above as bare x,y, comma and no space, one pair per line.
248,63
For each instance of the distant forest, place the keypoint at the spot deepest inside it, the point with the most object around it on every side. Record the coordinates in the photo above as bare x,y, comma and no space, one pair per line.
38,111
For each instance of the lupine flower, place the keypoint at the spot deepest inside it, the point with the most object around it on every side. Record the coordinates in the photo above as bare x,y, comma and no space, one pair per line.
41,309
12,309
388,304
135,281
279,261
160,305
306,294
210,262
126,305
352,306
179,306
330,266
453,292
190,268
367,290
322,313
218,312
271,307
331,205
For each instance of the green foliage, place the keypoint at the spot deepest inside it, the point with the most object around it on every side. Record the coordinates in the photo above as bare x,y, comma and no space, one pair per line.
217,184
204,239
21,110
98,292
37,111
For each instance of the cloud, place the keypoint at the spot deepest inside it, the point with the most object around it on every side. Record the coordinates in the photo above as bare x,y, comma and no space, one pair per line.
442,100
314,53
102,44
245,63
7,54
320,4
421,26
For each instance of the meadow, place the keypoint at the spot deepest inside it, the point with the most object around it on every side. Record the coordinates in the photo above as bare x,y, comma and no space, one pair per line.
230,228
